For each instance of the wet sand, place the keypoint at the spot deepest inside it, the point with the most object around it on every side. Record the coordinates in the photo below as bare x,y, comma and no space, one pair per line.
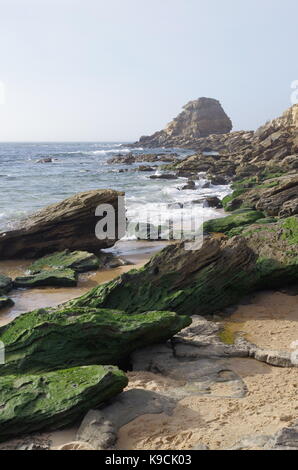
270,320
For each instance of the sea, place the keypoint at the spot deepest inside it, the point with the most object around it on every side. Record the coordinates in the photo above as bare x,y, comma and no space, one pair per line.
27,186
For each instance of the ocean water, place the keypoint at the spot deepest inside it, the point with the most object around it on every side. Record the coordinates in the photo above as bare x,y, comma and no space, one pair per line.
26,186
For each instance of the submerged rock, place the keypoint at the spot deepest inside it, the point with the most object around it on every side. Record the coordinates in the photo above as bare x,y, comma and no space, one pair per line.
49,339
69,224
56,399
206,279
54,277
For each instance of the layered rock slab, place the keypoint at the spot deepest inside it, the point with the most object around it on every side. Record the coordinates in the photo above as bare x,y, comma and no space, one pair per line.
207,279
45,340
56,399
69,224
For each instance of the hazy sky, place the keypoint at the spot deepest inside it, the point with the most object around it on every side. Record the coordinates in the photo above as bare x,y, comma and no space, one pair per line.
117,69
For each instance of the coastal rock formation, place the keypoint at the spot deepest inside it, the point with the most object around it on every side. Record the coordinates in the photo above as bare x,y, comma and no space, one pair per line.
199,118
146,157
239,218
49,339
69,224
79,261
56,399
206,279
53,277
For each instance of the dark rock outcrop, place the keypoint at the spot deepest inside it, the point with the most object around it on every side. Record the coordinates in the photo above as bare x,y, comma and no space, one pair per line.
69,224
199,118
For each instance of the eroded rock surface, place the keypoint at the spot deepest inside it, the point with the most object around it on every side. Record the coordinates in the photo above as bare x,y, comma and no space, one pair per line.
69,224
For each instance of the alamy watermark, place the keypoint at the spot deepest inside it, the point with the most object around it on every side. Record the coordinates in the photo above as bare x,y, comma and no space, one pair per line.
154,224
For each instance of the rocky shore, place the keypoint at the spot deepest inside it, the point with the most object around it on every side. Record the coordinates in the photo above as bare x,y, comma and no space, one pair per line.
130,360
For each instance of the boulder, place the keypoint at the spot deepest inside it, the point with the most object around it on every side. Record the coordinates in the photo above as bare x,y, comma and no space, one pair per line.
206,279
190,185
69,224
54,277
214,201
57,399
68,336
79,261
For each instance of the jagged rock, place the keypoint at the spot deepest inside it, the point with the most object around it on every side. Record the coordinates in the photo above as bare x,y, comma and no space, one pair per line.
190,185
199,118
48,339
275,196
214,201
146,168
79,261
46,160
54,277
218,180
239,218
146,157
56,399
69,224
209,278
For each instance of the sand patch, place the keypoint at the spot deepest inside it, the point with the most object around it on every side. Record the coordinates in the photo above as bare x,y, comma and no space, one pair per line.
270,321
271,403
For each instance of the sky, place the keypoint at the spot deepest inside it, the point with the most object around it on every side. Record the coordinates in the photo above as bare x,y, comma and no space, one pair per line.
113,70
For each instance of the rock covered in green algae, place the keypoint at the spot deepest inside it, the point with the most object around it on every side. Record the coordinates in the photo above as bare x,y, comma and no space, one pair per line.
57,277
79,261
52,400
49,339
276,195
208,279
5,284
237,219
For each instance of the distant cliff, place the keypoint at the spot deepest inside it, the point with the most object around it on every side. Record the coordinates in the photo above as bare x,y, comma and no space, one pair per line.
199,118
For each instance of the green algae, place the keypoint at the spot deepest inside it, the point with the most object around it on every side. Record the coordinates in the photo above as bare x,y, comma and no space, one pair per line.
49,339
31,403
239,218
80,261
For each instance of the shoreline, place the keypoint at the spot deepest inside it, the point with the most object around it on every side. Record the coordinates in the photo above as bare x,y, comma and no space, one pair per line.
137,253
